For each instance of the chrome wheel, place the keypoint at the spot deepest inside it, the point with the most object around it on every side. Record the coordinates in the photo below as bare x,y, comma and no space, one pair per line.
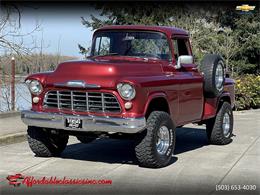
226,125
163,140
219,77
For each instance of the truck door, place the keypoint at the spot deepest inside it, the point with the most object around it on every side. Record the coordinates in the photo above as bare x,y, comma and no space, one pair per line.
190,92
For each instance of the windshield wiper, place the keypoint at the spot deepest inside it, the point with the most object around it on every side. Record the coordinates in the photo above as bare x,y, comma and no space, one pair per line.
108,54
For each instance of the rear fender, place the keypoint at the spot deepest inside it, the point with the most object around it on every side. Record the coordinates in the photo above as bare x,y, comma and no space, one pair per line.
211,105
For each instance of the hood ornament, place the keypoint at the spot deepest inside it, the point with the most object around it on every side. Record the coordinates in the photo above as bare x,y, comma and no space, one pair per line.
77,84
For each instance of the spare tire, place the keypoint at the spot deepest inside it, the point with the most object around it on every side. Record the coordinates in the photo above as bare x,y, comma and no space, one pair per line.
213,67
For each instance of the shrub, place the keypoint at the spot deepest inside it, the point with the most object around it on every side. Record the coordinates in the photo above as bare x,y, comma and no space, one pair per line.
247,92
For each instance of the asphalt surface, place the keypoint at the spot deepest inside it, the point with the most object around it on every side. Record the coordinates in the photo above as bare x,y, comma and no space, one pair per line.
196,168
12,129
11,125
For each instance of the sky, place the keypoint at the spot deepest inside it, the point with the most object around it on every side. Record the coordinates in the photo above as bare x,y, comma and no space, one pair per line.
60,26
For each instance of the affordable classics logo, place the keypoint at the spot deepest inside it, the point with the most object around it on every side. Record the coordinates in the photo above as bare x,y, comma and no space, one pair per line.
15,180
29,181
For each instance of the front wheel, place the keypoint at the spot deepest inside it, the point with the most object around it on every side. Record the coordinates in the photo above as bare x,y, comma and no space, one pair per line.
156,144
219,129
45,144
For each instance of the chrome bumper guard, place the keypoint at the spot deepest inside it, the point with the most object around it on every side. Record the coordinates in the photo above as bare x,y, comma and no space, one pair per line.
89,123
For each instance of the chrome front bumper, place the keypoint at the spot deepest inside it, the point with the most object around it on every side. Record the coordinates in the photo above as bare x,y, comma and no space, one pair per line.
89,123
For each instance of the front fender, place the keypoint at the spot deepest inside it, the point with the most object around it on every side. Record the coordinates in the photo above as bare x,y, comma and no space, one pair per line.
152,96
42,77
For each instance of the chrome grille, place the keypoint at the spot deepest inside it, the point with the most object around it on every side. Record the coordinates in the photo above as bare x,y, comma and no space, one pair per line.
82,101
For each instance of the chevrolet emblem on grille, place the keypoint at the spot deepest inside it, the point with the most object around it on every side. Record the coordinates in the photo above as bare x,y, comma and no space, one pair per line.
77,84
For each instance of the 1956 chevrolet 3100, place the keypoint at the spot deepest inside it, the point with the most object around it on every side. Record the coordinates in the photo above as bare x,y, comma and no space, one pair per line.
140,82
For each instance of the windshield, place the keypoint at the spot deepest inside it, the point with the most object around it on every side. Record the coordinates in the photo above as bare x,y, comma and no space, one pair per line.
131,43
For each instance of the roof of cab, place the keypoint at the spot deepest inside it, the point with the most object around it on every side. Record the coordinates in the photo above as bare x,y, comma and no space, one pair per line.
164,29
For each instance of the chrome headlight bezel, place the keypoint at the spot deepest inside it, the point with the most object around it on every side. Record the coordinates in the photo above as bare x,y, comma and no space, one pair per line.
126,91
35,86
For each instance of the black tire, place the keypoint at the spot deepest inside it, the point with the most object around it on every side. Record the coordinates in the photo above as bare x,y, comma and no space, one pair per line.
209,66
85,139
45,144
214,127
146,151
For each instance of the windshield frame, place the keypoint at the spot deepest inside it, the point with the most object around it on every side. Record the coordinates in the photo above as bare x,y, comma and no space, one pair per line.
130,30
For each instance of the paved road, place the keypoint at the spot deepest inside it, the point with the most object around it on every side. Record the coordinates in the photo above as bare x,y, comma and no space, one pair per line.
196,168
11,125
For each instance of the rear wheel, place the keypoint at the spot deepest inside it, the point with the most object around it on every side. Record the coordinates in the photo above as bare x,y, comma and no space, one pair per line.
45,144
156,144
219,129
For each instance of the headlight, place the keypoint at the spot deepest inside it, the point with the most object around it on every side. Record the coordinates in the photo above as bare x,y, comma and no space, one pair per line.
126,91
35,87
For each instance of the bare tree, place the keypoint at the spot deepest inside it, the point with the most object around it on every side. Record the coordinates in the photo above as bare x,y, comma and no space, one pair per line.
11,36
11,42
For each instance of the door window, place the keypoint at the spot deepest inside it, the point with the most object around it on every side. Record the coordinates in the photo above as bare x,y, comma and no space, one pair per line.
181,47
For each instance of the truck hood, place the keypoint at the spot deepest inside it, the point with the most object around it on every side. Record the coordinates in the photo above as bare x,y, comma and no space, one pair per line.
105,73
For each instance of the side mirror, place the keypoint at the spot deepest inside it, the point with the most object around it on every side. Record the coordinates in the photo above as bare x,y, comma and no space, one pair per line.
184,59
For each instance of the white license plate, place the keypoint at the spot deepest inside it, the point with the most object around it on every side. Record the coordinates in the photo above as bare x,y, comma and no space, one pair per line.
74,123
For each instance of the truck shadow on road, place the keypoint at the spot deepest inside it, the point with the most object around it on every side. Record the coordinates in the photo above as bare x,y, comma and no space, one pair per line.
122,151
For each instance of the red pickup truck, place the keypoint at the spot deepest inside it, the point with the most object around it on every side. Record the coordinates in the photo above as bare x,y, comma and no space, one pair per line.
140,82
